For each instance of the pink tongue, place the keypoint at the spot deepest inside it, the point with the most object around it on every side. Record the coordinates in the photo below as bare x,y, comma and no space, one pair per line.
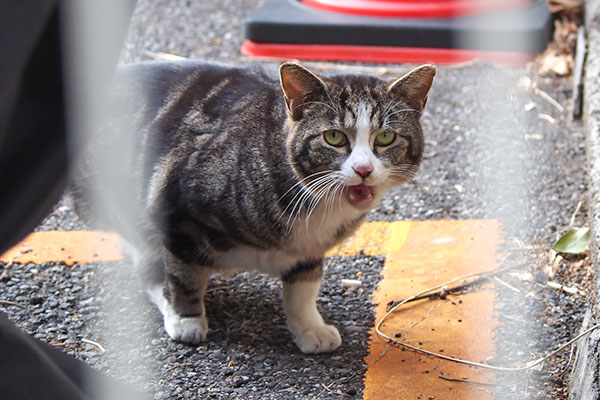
360,193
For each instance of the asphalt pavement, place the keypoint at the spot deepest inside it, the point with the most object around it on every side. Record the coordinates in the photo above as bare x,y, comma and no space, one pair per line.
500,144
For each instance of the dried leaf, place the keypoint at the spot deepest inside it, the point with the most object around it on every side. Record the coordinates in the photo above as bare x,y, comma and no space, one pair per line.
552,61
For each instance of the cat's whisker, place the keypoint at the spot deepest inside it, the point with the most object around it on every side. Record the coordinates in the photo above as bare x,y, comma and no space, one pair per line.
393,107
312,208
313,186
338,111
405,167
339,188
391,121
400,181
303,189
404,110
323,191
326,206
317,102
330,198
403,178
403,173
301,181
322,196
387,108
297,202
390,112
298,206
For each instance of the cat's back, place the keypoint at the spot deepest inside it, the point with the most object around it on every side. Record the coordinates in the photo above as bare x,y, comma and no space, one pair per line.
155,107
159,88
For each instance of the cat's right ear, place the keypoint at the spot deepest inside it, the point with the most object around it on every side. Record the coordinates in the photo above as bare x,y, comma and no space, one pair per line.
300,86
414,86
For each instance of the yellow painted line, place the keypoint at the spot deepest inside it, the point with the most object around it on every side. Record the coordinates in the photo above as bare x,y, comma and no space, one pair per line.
374,238
419,255
460,326
68,247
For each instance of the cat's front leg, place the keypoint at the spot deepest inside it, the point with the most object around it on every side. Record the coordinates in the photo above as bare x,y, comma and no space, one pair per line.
301,285
181,299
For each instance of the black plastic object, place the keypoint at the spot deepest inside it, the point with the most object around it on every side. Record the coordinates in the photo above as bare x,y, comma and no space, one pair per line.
526,29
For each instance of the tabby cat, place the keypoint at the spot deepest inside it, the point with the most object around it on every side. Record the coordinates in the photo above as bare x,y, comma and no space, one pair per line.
237,168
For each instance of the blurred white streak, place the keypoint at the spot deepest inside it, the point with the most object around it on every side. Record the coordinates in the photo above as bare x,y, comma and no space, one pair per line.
93,34
498,147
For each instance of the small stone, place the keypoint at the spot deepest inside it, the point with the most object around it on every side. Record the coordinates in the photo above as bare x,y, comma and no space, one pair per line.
238,381
36,300
540,276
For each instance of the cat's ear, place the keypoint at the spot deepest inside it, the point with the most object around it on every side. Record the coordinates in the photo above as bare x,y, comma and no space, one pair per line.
414,86
299,87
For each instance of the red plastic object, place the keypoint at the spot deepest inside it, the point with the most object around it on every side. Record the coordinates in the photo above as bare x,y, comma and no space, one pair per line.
415,8
380,54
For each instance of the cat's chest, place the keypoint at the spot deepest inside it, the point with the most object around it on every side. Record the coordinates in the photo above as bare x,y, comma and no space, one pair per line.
309,238
325,228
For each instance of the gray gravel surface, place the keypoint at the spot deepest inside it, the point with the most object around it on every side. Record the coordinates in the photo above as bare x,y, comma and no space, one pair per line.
249,352
495,149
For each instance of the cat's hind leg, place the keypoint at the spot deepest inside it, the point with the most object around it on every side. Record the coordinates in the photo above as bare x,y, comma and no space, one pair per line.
180,299
301,286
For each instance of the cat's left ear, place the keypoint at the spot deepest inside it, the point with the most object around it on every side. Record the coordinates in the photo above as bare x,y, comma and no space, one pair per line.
414,86
299,87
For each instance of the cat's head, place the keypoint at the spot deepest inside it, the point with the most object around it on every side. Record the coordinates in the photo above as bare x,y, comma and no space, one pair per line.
354,135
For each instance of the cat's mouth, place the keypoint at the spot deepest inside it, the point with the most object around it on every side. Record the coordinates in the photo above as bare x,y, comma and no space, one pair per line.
360,195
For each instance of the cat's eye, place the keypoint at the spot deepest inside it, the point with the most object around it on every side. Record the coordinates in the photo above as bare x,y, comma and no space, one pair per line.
385,138
334,138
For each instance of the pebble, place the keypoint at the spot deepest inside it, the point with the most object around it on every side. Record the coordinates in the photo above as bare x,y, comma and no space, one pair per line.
540,277
239,380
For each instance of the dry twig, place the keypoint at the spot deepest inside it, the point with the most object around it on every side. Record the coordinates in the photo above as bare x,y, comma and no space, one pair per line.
11,303
96,344
444,290
572,220
480,276
506,284
481,383
336,392
549,99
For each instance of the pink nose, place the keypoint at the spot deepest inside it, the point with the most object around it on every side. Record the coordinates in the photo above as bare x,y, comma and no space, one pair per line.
363,170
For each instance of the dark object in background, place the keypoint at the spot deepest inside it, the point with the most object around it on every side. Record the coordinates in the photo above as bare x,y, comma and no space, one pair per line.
33,151
33,370
33,170
293,29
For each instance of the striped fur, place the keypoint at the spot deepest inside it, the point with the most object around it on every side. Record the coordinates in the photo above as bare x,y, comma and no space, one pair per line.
228,167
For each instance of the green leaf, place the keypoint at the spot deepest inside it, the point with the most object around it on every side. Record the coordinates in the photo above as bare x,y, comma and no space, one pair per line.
574,242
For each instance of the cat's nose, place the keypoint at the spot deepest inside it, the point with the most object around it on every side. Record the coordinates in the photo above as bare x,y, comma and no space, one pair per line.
363,170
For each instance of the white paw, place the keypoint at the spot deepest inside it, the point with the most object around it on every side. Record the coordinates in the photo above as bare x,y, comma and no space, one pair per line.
321,339
191,330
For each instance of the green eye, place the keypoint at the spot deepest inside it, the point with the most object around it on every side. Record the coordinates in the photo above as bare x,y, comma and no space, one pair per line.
385,138
335,138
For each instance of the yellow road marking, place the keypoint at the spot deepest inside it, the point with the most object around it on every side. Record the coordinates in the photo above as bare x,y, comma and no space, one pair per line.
374,238
68,247
460,326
